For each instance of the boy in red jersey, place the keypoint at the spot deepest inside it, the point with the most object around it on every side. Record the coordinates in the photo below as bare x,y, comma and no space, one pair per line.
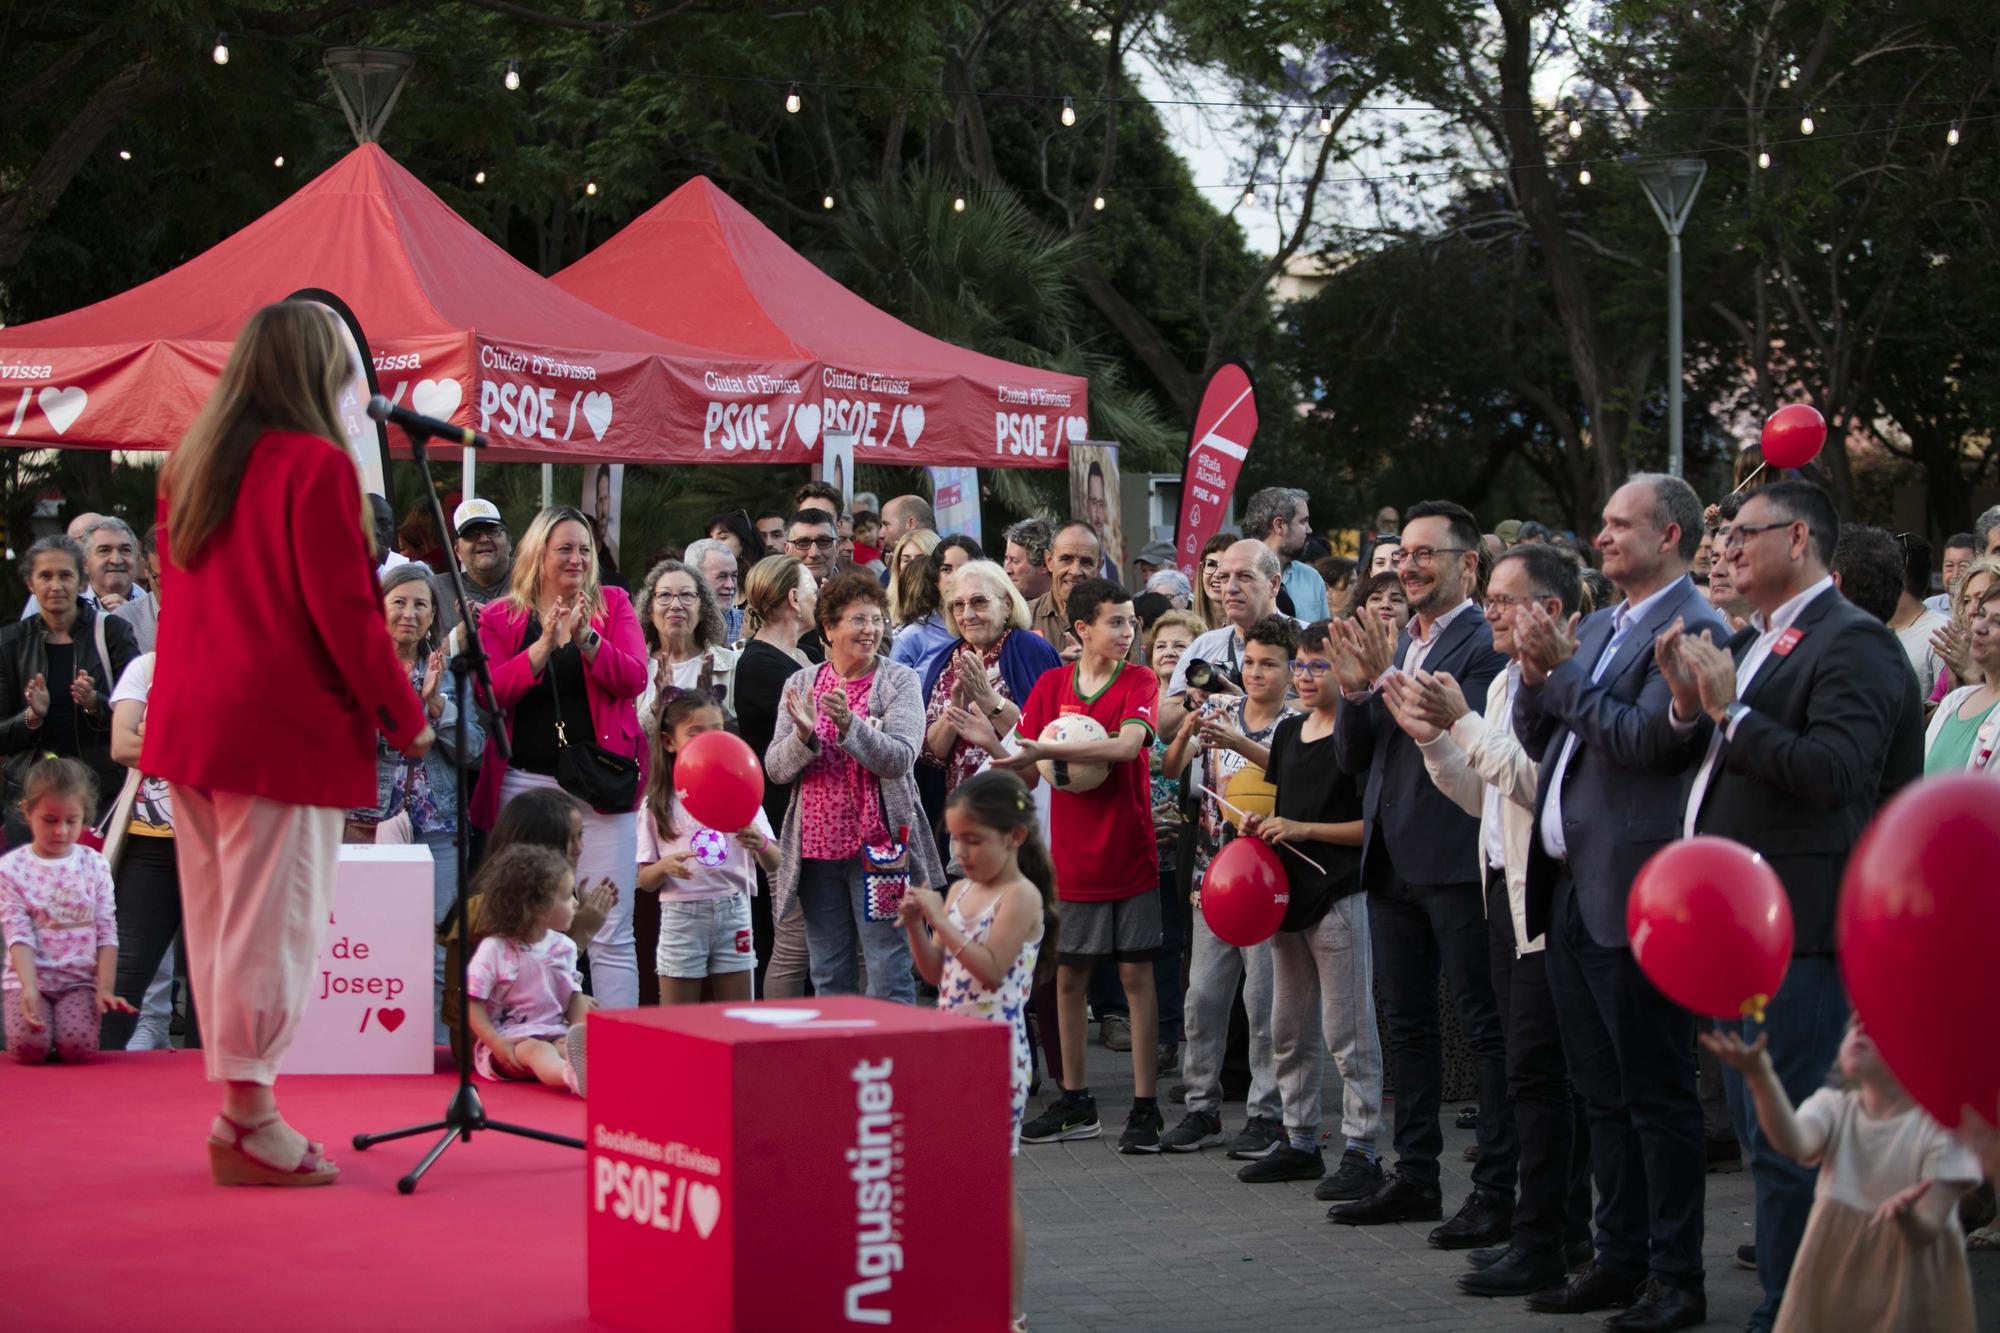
1107,863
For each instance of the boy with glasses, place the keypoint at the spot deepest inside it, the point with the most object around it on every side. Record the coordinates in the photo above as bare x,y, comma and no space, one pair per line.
1231,734
1322,972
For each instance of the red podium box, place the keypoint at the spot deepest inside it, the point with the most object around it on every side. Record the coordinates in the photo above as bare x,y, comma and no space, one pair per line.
792,1166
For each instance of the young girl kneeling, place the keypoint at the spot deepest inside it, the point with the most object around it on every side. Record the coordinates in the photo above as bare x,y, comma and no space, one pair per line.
984,937
56,907
528,1015
705,877
1882,1249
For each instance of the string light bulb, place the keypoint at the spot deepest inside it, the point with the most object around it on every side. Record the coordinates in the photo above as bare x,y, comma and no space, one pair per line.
1326,120
1098,203
221,52
590,188
1575,126
1250,196
793,101
1764,160
1806,125
124,155
958,204
1951,136
1583,177
826,201
479,178
278,161
1068,111
512,78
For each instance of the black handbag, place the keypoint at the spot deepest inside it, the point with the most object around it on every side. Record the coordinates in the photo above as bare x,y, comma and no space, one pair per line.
608,783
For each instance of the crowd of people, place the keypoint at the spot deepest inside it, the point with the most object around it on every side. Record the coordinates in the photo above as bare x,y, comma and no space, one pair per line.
1462,744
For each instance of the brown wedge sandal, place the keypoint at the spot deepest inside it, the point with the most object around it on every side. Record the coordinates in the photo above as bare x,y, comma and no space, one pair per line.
230,1163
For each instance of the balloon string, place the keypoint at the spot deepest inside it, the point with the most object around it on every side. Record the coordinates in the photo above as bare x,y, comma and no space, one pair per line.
1245,816
1752,477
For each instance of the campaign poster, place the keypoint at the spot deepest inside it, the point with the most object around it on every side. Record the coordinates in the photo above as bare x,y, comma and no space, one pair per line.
603,494
836,466
1093,494
955,499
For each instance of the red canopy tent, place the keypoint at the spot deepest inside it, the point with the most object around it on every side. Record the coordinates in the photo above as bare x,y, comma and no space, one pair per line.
698,268
457,329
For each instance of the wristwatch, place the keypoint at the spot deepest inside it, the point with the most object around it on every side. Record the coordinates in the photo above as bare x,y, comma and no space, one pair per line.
1729,715
591,639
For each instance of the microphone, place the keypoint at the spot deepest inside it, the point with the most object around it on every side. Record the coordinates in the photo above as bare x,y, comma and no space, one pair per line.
381,409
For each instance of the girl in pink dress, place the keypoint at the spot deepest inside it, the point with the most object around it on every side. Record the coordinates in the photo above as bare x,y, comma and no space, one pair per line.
528,1015
61,927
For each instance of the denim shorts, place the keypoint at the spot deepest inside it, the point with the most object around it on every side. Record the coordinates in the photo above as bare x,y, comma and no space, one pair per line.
704,937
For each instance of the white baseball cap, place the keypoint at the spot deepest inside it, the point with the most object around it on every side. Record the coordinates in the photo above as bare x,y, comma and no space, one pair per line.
473,513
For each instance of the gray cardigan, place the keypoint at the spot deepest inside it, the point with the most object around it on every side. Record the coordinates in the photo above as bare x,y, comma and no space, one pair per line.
885,745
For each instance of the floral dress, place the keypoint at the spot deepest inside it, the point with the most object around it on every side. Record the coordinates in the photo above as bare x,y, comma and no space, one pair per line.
965,758
960,992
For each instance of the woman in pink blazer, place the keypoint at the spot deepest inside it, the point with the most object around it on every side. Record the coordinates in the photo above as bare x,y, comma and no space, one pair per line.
562,645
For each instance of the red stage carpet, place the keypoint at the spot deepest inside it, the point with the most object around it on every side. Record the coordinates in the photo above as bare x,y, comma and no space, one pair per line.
112,1222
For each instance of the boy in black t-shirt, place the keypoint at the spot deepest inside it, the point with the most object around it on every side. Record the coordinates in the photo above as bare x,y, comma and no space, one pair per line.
1322,968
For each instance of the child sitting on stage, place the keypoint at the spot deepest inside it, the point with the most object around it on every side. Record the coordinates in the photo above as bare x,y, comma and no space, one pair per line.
1882,1248
57,910
528,1015
983,939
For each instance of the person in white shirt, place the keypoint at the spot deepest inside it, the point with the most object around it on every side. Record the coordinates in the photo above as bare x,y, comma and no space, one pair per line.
1913,622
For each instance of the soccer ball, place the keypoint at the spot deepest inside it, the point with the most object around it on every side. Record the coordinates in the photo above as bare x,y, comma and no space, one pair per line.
1063,775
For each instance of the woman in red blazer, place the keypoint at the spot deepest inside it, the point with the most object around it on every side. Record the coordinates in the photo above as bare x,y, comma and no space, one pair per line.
274,674
561,644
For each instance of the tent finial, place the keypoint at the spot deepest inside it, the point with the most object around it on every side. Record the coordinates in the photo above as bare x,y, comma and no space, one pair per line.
367,80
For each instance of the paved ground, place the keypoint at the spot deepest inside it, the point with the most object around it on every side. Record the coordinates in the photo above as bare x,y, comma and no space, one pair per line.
1176,1244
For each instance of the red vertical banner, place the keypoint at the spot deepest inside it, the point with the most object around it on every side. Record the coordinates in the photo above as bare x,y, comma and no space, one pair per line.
1224,425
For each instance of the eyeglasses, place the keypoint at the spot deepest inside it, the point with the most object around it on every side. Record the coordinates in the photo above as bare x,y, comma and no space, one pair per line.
1733,539
975,604
863,624
813,543
676,598
1316,667
1424,555
1501,602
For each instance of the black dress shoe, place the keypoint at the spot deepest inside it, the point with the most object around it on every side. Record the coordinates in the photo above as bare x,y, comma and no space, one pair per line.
1357,1177
1576,1254
1661,1308
1400,1200
1486,1256
1594,1287
1484,1219
1518,1272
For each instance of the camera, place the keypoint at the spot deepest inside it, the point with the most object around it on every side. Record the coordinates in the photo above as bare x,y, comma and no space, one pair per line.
1213,676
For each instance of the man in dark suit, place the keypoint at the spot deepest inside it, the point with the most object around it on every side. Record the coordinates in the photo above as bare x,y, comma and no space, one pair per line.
1425,904
1608,797
1788,732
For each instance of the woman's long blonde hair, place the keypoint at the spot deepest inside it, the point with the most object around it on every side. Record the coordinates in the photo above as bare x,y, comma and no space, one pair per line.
286,373
925,541
525,592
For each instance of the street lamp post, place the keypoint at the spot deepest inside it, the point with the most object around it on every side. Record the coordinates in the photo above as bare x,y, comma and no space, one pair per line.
1671,186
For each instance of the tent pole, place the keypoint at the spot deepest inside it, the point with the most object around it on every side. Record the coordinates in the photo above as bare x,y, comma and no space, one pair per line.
465,474
548,485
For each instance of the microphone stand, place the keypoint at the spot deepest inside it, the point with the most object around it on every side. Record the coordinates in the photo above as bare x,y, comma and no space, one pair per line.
466,1114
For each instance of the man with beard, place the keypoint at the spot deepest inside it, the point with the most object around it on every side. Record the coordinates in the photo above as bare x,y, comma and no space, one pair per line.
1278,517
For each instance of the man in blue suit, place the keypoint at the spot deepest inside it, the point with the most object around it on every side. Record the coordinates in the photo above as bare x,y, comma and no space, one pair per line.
1425,903
1610,796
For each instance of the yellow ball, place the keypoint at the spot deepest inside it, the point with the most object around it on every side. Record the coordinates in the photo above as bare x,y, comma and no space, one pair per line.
1249,791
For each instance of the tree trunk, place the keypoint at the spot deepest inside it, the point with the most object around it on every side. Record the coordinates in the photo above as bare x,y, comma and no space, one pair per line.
1140,333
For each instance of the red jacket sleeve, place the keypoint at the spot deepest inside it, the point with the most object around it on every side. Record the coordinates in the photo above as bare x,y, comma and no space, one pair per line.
506,658
340,597
620,668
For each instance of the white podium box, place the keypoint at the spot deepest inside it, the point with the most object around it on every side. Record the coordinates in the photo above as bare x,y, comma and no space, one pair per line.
371,1004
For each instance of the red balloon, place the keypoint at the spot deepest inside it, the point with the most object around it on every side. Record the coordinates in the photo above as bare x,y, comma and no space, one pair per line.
1793,435
1711,925
1244,893
717,777
1919,914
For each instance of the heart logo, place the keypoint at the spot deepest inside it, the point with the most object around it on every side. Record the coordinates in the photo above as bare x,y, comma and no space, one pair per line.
390,1019
778,1016
1077,427
913,422
63,406
704,1205
597,412
436,398
806,419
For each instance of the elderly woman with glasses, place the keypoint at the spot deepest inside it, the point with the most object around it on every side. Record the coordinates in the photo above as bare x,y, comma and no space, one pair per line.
849,738
991,663
684,628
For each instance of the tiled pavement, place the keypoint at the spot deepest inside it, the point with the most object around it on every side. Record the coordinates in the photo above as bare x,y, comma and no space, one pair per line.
1176,1244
